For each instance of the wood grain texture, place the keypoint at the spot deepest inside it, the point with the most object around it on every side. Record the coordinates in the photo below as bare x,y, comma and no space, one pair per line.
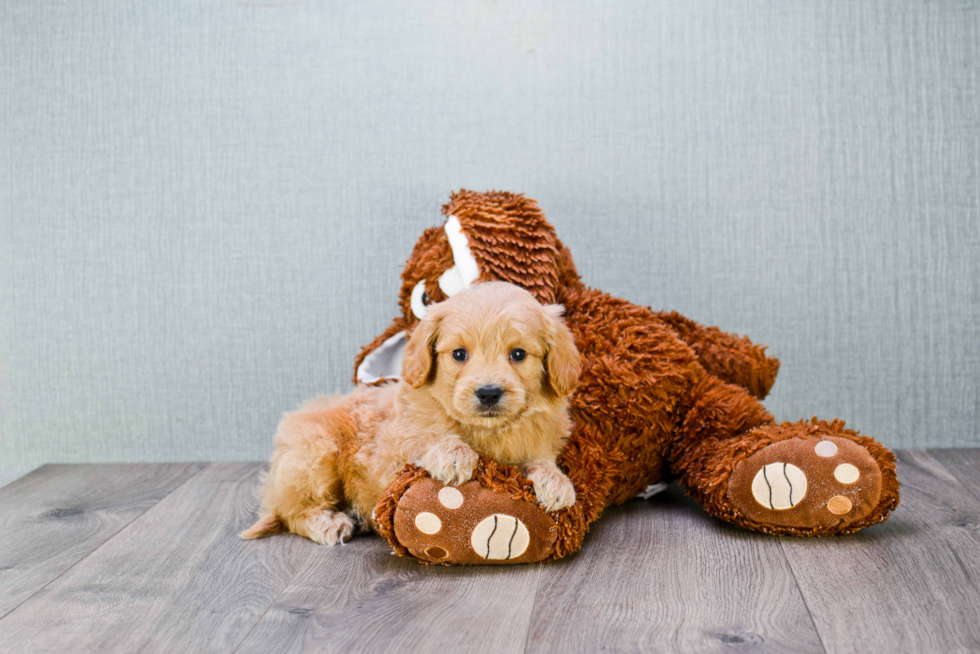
964,464
200,227
177,579
363,598
55,516
911,584
664,576
653,576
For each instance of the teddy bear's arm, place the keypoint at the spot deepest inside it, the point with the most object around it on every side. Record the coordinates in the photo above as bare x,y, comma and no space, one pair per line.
731,358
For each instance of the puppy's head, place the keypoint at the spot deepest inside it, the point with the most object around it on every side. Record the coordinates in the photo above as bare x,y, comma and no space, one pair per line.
491,354
486,237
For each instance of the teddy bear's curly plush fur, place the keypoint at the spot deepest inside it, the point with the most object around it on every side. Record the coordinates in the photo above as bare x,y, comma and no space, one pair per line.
660,397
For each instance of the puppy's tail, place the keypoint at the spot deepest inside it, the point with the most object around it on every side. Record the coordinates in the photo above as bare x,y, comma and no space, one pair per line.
265,526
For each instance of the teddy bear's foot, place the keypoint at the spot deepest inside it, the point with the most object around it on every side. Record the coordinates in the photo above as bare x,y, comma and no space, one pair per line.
809,484
469,524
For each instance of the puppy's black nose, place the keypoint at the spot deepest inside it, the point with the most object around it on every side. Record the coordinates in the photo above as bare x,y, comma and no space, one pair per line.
489,395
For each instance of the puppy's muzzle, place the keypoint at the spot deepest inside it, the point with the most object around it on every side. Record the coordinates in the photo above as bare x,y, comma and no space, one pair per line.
489,395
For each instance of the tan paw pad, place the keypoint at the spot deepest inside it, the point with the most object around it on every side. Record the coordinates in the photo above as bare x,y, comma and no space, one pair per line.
450,498
428,523
500,537
846,473
839,505
779,486
826,449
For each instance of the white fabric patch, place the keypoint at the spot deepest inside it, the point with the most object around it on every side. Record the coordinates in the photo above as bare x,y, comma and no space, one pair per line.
846,473
500,537
450,282
465,271
450,498
826,449
779,486
652,490
462,256
418,305
385,362
428,523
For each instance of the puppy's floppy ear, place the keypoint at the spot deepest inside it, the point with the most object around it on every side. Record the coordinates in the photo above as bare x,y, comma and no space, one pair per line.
562,361
421,349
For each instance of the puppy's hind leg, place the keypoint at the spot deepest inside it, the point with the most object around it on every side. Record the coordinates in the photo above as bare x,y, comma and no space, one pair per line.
304,487
324,526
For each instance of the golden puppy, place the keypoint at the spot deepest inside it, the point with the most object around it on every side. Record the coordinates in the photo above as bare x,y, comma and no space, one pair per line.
486,372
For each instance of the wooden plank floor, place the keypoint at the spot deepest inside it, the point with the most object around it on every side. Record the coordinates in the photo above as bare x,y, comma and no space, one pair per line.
145,557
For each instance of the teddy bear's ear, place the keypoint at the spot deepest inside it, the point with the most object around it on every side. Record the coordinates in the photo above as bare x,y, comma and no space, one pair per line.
510,240
562,360
381,358
420,353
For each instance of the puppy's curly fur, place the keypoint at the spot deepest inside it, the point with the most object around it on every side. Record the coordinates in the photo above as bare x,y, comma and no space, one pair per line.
335,456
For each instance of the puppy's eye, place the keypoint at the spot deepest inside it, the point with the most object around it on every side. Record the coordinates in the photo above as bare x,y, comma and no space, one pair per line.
517,355
459,355
426,300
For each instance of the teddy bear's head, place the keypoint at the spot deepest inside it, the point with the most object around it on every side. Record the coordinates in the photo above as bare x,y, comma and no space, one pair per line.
493,236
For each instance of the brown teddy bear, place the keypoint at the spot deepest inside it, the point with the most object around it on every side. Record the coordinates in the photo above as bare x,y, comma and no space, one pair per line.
660,397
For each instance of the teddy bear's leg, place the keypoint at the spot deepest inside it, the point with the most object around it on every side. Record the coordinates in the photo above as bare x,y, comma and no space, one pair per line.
493,519
731,358
807,478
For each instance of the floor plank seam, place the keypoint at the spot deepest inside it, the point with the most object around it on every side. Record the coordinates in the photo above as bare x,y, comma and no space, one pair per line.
806,605
103,543
534,602
261,617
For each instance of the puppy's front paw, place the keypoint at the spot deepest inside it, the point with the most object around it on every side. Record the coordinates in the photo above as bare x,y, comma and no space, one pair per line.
450,464
554,490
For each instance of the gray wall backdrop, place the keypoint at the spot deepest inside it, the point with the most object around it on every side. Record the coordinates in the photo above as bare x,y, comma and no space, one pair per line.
204,207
